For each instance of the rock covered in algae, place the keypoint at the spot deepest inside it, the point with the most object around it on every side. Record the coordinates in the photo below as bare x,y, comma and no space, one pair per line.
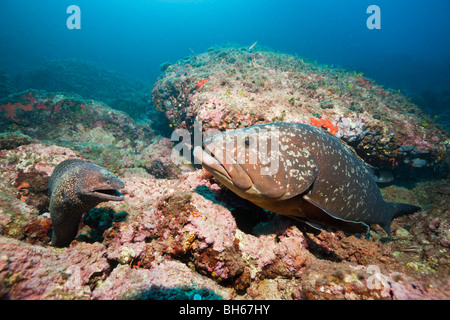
181,234
57,116
11,140
92,81
188,234
103,135
229,88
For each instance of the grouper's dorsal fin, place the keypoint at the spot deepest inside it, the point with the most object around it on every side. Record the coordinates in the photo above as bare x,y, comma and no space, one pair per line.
315,213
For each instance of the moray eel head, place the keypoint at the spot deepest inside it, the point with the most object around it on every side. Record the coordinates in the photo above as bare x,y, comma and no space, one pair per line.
103,186
75,187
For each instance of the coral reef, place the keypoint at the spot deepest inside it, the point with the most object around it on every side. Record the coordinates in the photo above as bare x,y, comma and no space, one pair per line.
179,234
91,81
108,137
182,238
230,88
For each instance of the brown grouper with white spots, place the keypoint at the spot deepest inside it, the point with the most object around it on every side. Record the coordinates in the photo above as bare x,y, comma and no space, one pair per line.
300,171
75,187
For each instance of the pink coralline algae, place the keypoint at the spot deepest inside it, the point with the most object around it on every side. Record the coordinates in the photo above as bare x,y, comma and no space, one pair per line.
245,88
178,235
35,272
180,230
211,214
124,283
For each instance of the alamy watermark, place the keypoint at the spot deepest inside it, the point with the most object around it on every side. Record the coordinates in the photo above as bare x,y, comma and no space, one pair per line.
74,20
376,280
374,20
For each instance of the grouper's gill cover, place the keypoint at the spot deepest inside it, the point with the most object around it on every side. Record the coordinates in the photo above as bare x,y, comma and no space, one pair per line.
300,171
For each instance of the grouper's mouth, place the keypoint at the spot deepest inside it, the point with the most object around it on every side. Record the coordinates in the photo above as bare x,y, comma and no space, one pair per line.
226,171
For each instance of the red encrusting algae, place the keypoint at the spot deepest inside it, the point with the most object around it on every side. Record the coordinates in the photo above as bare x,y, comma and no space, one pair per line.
201,83
29,102
325,123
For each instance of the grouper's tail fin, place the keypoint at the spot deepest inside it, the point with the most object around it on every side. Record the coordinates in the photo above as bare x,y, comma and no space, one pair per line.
400,209
403,209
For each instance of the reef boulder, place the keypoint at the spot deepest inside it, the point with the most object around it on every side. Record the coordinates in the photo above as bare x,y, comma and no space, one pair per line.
188,238
106,136
92,81
229,88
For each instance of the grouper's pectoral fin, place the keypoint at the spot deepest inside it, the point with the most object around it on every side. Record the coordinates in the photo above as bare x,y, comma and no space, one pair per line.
315,213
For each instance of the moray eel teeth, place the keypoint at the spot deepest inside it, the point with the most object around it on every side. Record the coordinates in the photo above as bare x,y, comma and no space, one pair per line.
75,187
107,194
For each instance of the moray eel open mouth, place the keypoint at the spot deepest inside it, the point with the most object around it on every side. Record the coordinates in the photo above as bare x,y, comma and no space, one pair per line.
107,194
229,170
108,190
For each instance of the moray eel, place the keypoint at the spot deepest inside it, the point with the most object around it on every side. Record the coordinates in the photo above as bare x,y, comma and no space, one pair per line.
75,187
300,171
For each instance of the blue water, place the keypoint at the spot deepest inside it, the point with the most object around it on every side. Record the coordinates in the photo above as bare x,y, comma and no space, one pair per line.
410,52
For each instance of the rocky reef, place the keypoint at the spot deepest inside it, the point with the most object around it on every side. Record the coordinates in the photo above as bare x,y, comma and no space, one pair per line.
91,81
189,234
228,88
179,234
103,135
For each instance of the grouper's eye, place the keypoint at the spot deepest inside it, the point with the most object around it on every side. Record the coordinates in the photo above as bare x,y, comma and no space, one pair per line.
247,142
108,182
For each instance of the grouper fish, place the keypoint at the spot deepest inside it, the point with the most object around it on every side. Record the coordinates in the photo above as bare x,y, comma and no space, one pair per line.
300,171
75,187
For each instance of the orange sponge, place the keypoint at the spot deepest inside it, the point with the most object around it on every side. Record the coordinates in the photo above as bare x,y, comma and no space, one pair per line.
324,123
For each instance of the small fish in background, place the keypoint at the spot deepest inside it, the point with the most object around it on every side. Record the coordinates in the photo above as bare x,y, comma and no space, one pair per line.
252,46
